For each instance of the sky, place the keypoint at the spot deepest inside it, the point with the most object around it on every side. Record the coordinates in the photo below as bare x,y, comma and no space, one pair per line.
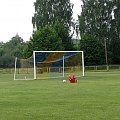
16,16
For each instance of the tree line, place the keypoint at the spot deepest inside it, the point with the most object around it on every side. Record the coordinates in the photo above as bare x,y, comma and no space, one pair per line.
9,50
98,26
100,31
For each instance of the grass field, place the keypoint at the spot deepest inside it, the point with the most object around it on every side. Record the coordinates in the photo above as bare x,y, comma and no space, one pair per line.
95,97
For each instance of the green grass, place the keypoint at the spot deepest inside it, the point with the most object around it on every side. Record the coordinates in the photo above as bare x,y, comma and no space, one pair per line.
95,97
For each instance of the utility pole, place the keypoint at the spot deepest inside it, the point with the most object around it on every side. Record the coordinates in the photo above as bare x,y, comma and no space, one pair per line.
106,55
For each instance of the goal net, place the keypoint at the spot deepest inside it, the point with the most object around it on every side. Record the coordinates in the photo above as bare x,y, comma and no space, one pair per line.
49,64
24,69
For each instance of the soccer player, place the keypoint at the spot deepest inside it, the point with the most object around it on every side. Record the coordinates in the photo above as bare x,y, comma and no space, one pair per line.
72,79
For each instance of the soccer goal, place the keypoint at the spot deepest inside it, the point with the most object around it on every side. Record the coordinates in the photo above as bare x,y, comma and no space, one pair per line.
49,64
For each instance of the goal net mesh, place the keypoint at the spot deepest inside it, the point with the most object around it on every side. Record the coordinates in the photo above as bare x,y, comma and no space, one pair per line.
44,65
23,69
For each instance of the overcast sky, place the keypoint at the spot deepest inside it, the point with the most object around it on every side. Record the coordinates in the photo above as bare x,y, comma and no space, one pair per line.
16,15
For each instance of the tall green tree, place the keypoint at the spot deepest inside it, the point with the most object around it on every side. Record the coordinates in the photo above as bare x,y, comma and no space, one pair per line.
96,20
115,33
47,12
93,51
63,33
57,14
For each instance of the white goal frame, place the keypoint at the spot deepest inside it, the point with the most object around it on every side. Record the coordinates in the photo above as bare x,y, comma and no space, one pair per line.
83,68
34,64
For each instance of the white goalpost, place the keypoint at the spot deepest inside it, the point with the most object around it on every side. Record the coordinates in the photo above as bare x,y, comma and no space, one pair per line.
50,64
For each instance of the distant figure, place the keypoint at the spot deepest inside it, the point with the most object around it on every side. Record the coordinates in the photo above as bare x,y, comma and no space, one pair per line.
72,79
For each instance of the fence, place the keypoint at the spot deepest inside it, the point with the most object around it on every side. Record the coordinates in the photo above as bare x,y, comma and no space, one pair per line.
102,68
7,70
87,68
39,70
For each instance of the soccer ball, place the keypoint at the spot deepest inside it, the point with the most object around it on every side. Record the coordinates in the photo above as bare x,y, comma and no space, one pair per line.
64,81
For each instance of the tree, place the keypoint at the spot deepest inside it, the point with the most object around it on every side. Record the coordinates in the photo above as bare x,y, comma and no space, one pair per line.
10,50
15,46
93,50
1,48
47,12
115,34
56,14
44,39
96,20
7,61
1,44
63,33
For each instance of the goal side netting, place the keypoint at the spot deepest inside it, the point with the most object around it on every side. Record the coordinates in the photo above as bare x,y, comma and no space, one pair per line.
24,69
50,64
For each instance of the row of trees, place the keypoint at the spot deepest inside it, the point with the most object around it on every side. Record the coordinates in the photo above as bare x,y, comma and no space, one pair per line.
98,28
100,31
9,50
53,28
